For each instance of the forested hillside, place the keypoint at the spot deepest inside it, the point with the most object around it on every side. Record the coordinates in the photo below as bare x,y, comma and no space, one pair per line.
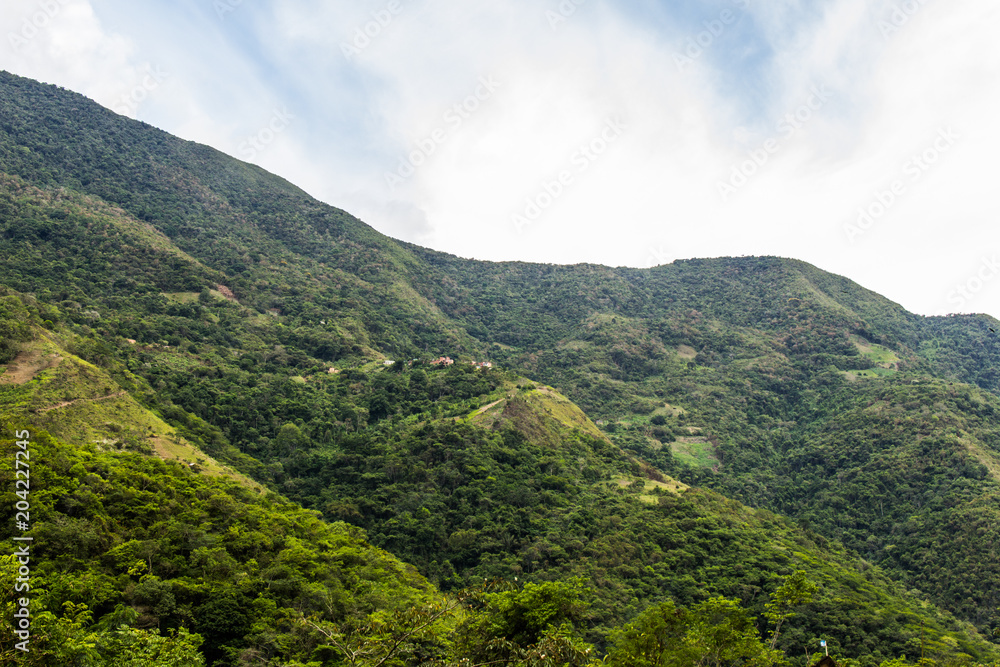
467,473
174,316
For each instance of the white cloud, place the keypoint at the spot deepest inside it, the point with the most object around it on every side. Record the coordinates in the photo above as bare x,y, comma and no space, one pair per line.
62,42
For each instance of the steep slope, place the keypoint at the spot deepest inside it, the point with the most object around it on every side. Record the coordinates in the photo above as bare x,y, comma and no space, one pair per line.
135,540
733,365
524,486
82,404
496,477
280,249
907,474
242,293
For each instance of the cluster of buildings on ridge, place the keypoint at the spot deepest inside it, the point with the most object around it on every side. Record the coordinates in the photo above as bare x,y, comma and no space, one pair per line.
440,361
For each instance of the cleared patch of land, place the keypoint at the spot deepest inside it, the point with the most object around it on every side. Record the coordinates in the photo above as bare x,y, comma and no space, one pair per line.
989,459
27,364
79,403
686,352
649,493
696,451
868,373
667,411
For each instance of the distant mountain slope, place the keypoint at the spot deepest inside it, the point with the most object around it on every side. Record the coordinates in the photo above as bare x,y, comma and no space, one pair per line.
765,378
245,222
279,248
523,485
533,307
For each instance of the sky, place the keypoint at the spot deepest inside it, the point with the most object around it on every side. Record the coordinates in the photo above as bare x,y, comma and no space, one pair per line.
857,135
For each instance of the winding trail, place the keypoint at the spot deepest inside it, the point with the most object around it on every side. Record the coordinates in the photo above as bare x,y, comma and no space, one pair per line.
77,400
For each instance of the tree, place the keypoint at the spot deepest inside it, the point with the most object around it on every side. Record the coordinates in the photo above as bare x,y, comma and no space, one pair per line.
655,638
722,634
385,638
714,633
796,591
131,647
290,440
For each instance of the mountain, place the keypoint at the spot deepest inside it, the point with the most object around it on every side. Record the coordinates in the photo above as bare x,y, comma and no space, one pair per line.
805,394
164,299
153,544
489,475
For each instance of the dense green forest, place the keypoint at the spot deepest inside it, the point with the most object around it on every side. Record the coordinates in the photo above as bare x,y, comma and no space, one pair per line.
776,454
513,484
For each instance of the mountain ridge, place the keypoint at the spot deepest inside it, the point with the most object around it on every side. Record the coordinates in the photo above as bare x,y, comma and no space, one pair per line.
705,372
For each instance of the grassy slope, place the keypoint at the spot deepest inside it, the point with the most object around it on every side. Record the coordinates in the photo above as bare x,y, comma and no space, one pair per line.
81,404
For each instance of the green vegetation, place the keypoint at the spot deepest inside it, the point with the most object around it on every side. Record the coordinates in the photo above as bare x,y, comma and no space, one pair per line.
204,351
125,545
694,451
